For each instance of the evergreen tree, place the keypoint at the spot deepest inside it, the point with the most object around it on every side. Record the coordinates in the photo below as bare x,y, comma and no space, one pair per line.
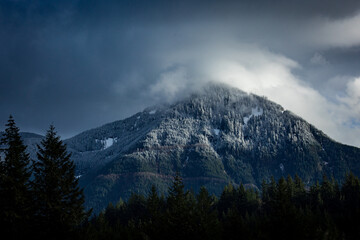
351,206
315,196
153,203
227,199
155,207
300,197
351,193
206,216
179,211
136,208
58,198
269,191
14,183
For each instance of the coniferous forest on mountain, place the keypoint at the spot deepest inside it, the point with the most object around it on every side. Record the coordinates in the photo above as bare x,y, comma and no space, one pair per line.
41,199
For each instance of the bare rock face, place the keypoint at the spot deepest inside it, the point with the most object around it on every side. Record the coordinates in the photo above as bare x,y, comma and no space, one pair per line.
214,137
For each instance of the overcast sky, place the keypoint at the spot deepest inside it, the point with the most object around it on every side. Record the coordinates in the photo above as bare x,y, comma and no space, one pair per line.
81,64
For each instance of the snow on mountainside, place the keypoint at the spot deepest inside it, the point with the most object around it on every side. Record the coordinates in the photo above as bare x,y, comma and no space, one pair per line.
213,137
107,142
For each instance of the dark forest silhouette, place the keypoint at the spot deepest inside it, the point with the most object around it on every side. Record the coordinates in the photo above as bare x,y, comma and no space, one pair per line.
42,199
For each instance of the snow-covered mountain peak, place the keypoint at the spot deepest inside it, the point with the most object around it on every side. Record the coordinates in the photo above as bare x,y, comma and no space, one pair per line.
214,136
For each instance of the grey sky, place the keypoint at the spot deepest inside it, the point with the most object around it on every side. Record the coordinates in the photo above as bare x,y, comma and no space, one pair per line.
81,64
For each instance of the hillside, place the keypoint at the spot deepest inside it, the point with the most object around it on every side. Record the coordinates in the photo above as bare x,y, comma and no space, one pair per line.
213,137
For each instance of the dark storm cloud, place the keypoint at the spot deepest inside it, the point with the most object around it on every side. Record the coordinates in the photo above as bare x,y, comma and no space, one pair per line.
80,64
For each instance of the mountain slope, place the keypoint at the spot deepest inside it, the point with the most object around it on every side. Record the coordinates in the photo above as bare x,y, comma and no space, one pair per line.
213,137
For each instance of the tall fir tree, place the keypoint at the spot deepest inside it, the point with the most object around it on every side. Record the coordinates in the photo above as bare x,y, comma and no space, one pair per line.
180,210
208,226
15,210
58,198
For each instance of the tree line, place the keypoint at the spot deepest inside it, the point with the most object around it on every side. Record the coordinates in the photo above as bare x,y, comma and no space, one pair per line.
38,198
285,209
42,198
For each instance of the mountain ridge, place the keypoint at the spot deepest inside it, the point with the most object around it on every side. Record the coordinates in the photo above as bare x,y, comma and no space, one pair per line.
213,137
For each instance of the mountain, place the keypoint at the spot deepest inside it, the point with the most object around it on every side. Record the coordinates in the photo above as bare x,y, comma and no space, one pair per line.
213,137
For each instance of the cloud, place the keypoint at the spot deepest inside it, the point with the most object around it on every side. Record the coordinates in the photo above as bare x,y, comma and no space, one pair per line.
318,59
171,84
260,71
334,33
86,63
352,97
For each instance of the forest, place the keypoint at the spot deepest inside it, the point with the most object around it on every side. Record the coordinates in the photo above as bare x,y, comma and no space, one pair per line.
42,199
285,209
